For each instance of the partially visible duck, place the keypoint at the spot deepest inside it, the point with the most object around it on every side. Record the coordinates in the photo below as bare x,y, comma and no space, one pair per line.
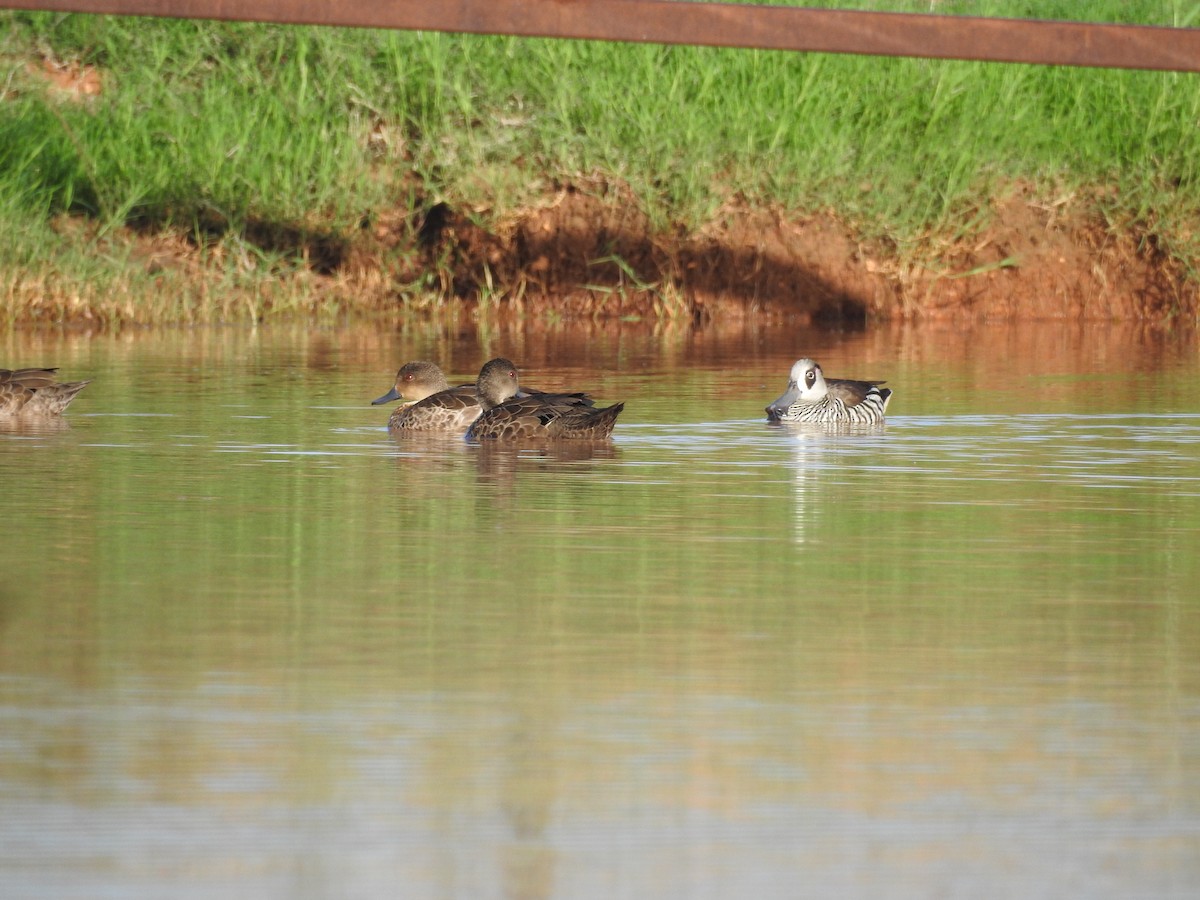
35,392
811,397
510,414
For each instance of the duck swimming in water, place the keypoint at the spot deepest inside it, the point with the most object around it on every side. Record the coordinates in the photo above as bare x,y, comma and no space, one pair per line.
509,414
812,398
432,405
35,392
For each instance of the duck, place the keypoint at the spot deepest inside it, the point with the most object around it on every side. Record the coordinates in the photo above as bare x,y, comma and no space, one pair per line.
514,415
814,399
433,406
430,403
35,392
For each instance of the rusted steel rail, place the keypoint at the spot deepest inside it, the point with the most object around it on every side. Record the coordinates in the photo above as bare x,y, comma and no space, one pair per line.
710,24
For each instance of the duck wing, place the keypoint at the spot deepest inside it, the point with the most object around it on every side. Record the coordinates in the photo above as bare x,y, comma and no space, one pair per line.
851,391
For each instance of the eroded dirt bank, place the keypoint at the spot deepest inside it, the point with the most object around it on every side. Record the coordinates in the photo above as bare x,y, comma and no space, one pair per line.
586,253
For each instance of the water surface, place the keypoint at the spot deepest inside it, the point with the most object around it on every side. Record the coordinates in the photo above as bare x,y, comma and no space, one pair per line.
252,645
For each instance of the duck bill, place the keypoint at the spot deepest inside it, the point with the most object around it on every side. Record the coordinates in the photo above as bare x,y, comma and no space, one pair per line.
391,395
786,400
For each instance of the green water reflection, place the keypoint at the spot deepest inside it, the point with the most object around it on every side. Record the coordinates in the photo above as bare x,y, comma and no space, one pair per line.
250,642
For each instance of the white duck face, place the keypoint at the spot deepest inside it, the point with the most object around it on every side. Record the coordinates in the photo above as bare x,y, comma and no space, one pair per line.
806,384
809,380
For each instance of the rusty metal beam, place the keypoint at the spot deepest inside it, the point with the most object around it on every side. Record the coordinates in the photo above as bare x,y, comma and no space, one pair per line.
710,24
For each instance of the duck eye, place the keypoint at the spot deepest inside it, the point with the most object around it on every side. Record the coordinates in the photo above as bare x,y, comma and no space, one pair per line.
810,376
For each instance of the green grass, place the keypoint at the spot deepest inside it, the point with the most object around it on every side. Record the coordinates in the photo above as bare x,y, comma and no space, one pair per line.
224,131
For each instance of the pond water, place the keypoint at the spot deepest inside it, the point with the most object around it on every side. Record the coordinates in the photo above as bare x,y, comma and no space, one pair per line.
253,646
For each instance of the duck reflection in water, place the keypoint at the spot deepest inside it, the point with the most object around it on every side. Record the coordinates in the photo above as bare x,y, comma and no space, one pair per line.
504,462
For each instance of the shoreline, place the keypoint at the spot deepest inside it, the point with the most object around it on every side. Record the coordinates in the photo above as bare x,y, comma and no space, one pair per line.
582,255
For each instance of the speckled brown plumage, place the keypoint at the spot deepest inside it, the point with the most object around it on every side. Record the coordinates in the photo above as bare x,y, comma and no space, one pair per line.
434,406
35,392
511,416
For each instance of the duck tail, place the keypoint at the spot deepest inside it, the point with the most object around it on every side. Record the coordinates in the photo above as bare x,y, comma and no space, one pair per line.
53,400
603,420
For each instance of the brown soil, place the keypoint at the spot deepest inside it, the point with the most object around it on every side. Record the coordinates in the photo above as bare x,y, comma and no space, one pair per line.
588,251
69,78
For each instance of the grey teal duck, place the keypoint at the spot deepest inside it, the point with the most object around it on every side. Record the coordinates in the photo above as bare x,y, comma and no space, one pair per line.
512,414
35,392
433,406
